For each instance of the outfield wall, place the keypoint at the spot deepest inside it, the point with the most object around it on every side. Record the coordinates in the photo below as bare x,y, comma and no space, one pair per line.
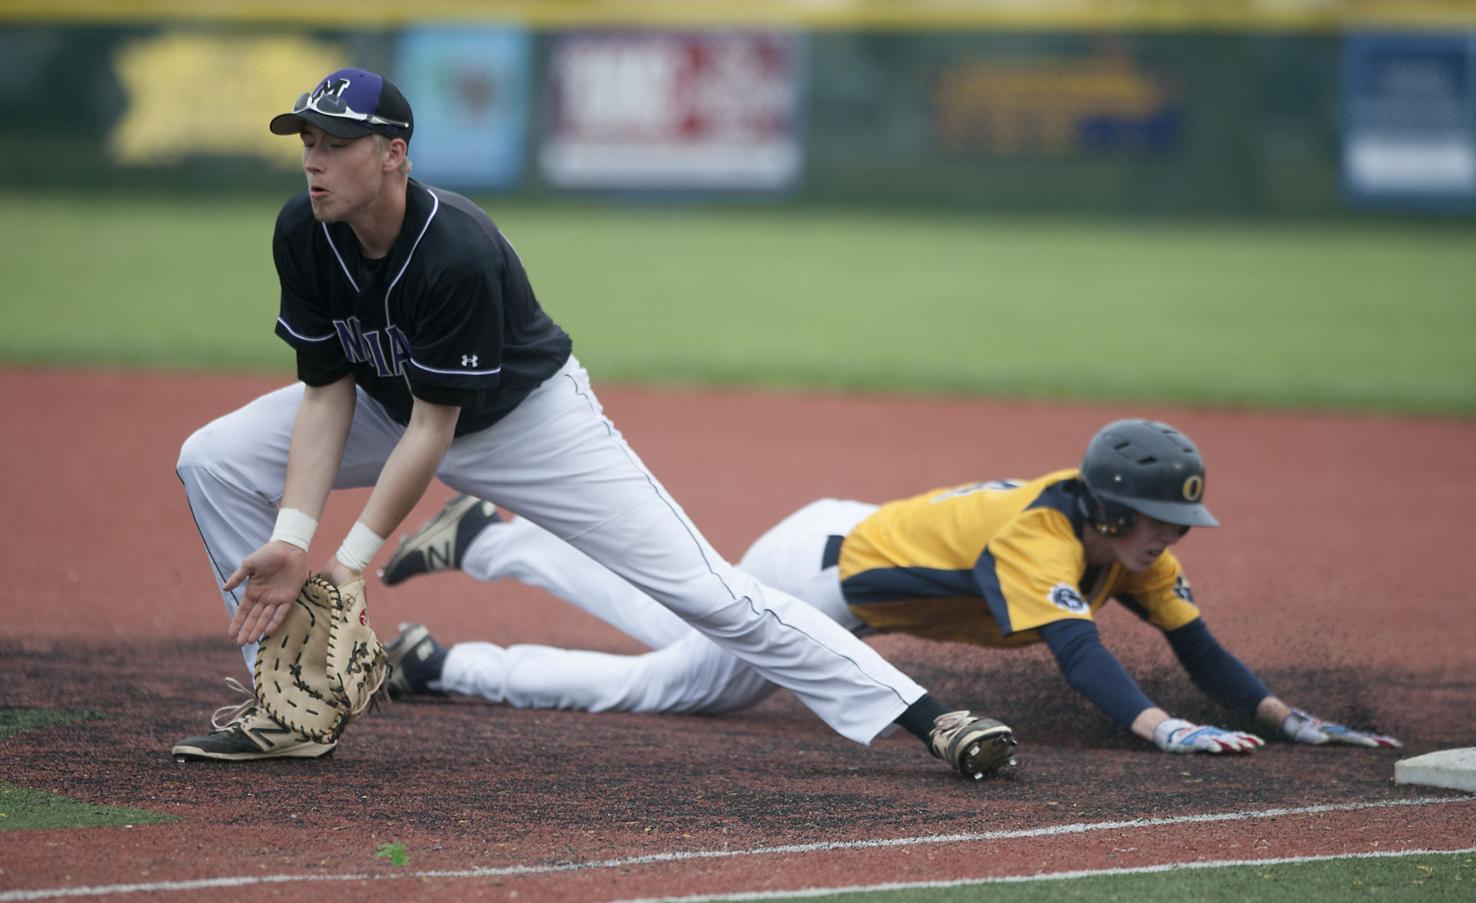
1144,108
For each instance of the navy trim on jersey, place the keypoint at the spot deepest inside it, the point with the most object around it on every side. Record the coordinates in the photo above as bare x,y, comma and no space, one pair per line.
1059,496
891,584
986,581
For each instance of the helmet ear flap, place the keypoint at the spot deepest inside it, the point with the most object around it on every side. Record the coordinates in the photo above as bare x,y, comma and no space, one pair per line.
1106,517
1114,519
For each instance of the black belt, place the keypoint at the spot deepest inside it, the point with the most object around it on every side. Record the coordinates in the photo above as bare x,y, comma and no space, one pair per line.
831,556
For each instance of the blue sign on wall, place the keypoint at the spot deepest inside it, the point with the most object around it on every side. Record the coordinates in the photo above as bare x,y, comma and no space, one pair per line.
469,87
1409,119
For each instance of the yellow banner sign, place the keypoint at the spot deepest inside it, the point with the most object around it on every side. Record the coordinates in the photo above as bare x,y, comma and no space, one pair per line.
194,95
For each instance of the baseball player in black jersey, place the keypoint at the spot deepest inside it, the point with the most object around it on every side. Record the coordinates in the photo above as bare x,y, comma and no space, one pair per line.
423,353
999,564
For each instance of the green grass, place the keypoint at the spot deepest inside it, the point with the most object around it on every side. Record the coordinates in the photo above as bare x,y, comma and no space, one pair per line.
16,721
25,809
1375,316
1426,878
22,809
394,852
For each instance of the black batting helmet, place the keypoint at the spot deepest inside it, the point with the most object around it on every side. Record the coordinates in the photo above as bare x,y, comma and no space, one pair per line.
1136,467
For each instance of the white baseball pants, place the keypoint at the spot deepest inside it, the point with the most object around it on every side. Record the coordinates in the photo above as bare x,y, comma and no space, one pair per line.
685,672
559,462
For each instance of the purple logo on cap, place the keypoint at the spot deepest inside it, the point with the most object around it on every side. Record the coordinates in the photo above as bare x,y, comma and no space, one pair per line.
349,90
349,103
331,88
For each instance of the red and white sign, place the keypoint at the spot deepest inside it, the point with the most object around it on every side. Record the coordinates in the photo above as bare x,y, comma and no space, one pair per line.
673,111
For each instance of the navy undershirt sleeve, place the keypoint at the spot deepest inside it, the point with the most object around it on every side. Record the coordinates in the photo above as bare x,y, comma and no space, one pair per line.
1094,671
1214,670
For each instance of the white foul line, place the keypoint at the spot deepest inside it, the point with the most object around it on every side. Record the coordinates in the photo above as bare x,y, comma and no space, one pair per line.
1040,876
522,870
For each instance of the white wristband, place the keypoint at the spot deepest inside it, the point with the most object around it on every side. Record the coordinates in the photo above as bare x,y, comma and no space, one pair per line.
294,528
359,548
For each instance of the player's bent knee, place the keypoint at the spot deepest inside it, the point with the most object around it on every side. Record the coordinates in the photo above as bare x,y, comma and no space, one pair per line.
214,455
196,453
209,449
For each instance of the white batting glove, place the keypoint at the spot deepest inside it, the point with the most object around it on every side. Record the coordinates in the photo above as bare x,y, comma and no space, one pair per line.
1176,735
1304,727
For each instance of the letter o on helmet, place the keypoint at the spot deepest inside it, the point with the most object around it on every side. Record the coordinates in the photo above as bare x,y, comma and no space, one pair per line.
1134,467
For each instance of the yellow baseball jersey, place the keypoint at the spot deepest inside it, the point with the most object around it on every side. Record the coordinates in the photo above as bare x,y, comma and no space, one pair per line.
989,563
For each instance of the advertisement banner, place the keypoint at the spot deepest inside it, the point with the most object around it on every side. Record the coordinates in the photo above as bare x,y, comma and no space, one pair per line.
469,88
675,111
1409,119
1054,106
192,95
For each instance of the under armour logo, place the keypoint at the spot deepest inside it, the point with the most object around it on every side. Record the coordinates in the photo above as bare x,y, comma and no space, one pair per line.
468,360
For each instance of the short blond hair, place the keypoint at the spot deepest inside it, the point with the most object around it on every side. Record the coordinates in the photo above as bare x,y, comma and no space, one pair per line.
405,164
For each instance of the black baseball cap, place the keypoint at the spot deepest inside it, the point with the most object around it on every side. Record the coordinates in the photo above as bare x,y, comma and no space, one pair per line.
350,103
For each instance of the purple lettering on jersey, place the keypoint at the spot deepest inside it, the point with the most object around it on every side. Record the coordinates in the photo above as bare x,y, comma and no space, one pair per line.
376,349
399,349
351,337
360,346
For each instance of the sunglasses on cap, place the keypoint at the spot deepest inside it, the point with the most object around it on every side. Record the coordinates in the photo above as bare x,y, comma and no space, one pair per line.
330,105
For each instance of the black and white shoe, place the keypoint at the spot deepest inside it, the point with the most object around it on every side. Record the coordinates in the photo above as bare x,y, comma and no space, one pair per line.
416,660
441,541
973,746
244,732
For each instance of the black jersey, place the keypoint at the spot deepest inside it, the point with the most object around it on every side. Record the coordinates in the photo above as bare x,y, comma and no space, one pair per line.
447,316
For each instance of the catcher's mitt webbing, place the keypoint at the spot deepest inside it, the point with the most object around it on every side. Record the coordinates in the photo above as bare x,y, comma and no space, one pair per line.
355,657
323,664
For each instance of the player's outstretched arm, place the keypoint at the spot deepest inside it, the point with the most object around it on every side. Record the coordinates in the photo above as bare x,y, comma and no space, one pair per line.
1304,727
1097,674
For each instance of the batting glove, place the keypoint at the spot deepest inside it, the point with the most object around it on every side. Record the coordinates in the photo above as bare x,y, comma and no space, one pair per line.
1304,727
1176,735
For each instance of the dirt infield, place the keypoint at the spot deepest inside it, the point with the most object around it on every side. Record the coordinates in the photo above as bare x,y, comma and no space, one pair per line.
1337,577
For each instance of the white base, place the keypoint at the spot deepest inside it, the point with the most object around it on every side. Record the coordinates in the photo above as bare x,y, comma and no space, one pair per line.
1453,768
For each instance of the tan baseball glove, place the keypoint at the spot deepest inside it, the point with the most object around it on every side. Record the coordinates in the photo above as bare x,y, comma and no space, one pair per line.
323,665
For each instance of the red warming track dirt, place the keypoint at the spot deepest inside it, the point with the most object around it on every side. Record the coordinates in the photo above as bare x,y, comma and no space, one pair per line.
1338,577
